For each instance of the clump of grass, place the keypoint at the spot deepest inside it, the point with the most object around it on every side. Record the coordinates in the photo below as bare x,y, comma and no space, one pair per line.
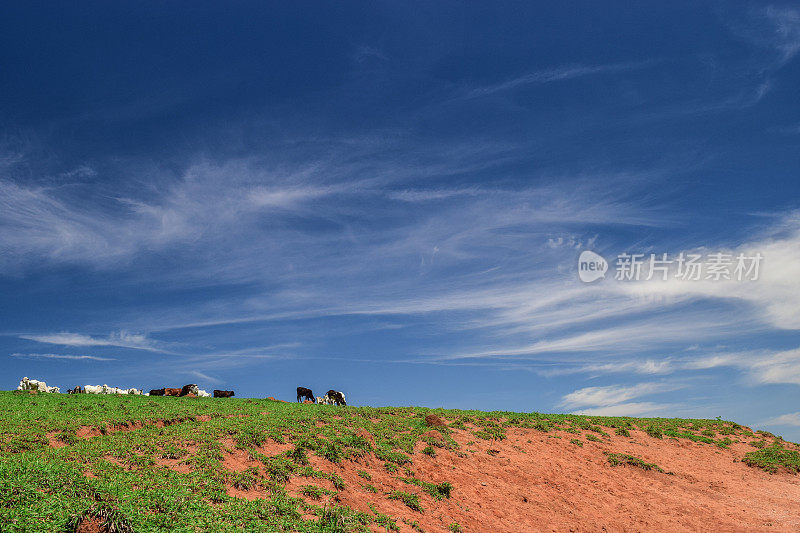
314,492
67,438
364,474
392,456
389,523
493,452
654,431
337,480
298,455
577,442
250,438
410,500
490,433
331,451
413,524
622,431
438,490
619,459
593,438
428,450
111,520
245,480
455,528
773,458
390,467
369,488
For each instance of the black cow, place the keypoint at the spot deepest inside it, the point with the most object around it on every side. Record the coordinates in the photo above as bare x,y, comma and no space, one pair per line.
304,394
223,393
157,392
186,390
337,397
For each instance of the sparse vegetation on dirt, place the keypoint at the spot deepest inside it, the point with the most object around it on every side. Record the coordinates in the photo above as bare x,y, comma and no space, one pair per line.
774,458
618,459
158,464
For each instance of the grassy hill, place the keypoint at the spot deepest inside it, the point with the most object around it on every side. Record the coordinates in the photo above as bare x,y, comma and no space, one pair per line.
125,463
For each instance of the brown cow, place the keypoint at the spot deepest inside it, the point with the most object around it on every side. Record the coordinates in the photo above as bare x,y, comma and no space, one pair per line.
157,392
172,392
223,393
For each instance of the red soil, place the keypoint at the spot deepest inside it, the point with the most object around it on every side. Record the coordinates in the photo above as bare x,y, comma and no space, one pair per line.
537,482
54,442
91,525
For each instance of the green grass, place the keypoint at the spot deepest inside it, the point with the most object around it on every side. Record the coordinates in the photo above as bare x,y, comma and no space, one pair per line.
410,500
158,463
619,459
774,458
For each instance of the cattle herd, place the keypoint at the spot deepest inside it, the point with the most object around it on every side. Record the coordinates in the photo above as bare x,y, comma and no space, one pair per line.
332,397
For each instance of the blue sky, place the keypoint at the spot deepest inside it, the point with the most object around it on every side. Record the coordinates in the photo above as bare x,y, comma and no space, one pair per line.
389,199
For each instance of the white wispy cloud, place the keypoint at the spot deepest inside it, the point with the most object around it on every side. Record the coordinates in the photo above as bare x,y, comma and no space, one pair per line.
122,339
541,77
205,377
760,366
62,356
612,394
788,419
629,409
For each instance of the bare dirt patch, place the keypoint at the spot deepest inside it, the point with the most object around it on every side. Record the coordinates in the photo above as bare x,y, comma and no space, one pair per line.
91,525
53,441
536,481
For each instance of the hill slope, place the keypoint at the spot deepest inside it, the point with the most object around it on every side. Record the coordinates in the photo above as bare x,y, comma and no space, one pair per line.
193,464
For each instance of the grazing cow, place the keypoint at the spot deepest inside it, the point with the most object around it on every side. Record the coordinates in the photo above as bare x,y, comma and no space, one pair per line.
172,392
222,393
203,394
189,389
33,384
76,390
336,397
93,389
157,392
135,392
304,394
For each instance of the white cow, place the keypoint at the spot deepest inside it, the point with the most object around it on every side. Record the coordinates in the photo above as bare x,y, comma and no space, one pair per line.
105,389
33,384
203,394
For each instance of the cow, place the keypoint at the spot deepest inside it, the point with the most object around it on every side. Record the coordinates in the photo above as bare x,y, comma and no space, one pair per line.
93,389
304,394
222,393
336,397
321,400
76,390
36,385
186,390
171,392
203,394
157,392
135,392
